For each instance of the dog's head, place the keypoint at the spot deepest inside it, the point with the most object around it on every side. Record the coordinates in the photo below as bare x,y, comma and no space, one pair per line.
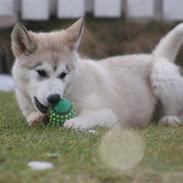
45,62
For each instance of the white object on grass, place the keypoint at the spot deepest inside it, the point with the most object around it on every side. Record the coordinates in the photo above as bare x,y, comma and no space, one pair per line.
53,155
6,83
92,131
40,165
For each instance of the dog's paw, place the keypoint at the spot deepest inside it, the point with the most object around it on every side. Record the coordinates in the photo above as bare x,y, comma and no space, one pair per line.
170,120
36,118
75,123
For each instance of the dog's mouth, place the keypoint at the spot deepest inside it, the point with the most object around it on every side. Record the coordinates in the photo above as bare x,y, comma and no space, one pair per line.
42,108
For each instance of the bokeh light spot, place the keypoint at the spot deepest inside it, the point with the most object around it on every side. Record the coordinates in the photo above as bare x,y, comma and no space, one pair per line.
121,149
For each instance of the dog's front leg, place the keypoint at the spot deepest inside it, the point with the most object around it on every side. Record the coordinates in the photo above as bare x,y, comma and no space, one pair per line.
26,106
90,119
35,118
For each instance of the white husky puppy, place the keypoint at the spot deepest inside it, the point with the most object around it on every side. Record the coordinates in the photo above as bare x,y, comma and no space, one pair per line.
122,90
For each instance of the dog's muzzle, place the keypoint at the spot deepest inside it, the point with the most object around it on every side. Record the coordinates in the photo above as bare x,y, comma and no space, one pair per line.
42,108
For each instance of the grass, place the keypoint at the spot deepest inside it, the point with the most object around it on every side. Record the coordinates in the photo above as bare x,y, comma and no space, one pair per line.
77,159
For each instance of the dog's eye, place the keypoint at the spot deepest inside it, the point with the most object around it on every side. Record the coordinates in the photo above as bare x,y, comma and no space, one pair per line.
42,73
62,75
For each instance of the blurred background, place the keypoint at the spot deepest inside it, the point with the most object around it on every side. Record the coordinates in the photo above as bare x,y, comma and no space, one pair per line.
113,27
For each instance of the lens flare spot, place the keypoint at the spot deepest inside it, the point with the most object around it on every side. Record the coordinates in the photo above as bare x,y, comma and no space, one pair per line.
121,149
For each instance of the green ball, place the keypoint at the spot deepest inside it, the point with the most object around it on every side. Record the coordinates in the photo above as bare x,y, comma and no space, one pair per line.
60,112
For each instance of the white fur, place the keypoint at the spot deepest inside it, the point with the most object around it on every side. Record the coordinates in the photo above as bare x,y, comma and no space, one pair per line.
170,44
121,90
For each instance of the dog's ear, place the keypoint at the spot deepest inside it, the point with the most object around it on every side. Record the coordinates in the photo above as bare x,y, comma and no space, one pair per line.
21,41
75,33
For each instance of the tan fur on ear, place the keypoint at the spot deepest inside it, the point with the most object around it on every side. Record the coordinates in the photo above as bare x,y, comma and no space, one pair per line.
21,41
75,33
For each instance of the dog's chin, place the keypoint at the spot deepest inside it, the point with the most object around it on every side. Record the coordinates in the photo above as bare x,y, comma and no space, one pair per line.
42,108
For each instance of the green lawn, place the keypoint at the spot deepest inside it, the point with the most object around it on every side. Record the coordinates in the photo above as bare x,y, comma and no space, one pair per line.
78,160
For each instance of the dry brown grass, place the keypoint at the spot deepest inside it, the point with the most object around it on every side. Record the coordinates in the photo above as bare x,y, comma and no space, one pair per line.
107,38
6,57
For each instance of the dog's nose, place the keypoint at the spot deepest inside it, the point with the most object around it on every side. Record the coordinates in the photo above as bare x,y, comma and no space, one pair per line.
53,98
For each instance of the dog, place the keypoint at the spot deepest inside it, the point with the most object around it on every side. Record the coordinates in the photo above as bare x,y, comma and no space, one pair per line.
118,91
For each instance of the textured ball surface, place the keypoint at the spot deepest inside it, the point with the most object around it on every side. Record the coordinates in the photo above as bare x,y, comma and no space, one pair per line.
62,111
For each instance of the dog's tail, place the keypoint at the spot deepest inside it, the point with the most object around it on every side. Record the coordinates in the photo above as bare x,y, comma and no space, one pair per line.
169,46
